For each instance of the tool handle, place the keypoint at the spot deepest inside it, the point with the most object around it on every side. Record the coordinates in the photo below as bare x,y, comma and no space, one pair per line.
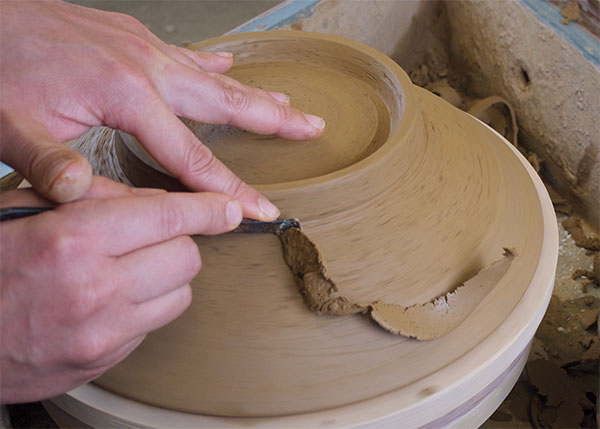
247,225
273,227
10,213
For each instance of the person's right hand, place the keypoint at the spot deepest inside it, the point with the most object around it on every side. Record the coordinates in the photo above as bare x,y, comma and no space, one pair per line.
84,283
66,68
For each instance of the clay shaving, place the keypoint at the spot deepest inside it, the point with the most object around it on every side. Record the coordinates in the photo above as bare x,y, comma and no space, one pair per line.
592,276
422,321
319,292
437,318
570,13
574,226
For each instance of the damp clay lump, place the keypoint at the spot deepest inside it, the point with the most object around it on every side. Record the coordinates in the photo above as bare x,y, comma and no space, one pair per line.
421,321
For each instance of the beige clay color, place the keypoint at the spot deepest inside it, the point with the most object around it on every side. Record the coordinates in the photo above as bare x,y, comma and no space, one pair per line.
406,201
424,321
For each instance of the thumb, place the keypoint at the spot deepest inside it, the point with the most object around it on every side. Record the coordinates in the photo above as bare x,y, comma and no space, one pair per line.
54,171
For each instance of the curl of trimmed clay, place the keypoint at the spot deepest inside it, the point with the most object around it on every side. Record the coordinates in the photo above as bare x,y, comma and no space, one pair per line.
422,321
320,293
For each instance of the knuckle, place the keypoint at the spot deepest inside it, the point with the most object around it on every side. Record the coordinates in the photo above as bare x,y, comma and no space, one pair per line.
81,300
125,20
199,161
140,46
171,218
133,77
87,348
186,296
235,187
130,24
61,244
192,262
283,113
126,76
235,100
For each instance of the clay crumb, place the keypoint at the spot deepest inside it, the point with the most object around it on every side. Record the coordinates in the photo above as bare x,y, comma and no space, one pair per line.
560,204
500,416
588,318
574,226
535,161
570,13
558,403
422,321
575,346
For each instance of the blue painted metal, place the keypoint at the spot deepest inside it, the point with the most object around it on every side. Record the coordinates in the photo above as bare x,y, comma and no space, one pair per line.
286,13
5,169
578,36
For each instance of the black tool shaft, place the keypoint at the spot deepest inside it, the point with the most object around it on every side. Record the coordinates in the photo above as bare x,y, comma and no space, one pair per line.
274,227
247,225
10,213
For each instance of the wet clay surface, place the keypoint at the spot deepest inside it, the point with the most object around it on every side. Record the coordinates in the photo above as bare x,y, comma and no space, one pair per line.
323,91
404,225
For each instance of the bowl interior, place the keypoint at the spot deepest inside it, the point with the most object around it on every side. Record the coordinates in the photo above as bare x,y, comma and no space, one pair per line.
359,98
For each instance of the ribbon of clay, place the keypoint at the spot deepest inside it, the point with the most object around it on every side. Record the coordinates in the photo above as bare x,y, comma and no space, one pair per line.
487,110
422,321
440,316
319,292
442,89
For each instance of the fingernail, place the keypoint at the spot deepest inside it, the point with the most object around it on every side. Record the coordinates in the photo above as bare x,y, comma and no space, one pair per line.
279,96
315,121
148,191
268,208
233,213
224,54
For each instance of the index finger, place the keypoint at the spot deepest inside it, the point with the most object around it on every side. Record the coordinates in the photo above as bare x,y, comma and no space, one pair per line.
177,149
125,224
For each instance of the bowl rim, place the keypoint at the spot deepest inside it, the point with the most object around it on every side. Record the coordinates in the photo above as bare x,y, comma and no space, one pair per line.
404,127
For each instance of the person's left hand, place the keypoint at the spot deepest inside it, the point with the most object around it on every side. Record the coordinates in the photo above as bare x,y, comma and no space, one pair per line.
66,68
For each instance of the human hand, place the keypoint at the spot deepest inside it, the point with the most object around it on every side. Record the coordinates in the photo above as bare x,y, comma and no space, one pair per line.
83,284
66,68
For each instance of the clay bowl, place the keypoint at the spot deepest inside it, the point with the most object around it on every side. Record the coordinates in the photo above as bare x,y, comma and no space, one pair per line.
406,197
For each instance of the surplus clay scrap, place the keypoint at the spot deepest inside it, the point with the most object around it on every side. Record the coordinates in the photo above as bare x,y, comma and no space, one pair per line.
575,227
566,382
559,386
438,317
593,276
422,321
571,323
570,13
558,403
495,111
